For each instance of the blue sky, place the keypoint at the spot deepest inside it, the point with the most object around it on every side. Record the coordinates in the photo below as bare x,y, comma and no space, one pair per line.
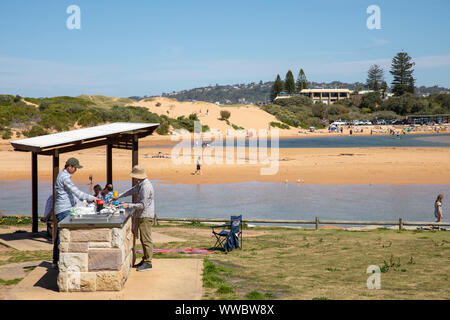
139,47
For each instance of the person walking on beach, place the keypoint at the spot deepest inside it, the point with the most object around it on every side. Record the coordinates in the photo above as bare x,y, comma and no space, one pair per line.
199,168
65,194
438,210
144,212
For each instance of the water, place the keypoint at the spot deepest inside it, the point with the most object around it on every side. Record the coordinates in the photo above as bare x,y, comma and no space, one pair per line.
416,140
264,200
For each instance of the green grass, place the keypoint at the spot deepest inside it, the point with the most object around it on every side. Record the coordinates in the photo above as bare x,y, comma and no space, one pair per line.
10,282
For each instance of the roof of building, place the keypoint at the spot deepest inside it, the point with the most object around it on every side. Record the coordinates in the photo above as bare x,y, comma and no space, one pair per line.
325,90
80,135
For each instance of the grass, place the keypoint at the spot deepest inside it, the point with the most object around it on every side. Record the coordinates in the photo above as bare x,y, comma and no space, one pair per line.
293,263
10,282
290,263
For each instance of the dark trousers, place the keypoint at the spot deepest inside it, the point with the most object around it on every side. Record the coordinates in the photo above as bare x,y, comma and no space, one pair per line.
60,216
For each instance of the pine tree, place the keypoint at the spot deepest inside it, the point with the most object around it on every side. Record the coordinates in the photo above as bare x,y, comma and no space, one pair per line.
289,82
384,88
411,87
375,77
301,83
277,87
402,70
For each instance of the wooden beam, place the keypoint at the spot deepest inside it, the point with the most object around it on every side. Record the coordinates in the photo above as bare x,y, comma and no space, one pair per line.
34,191
55,175
135,161
109,178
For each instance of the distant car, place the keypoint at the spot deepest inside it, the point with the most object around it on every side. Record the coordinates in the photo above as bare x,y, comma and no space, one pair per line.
397,122
406,121
356,122
366,122
339,123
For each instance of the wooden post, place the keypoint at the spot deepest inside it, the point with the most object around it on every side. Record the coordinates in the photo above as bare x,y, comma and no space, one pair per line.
135,161
317,223
55,175
400,224
109,178
34,188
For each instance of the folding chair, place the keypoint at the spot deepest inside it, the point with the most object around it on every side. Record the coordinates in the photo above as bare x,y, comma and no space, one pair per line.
234,227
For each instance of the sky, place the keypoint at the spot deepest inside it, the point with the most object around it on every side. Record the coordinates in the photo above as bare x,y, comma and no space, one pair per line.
147,47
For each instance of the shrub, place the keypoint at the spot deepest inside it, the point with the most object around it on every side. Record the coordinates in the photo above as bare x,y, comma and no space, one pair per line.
158,104
370,100
294,101
7,134
279,125
193,116
163,128
36,130
17,98
6,100
225,115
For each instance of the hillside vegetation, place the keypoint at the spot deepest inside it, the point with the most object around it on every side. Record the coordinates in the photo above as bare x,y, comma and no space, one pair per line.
31,117
302,112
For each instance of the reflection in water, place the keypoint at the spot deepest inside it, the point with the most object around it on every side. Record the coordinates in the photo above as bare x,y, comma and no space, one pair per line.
263,200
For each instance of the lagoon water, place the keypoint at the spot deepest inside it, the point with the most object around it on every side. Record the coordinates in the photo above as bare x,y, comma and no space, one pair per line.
264,200
410,140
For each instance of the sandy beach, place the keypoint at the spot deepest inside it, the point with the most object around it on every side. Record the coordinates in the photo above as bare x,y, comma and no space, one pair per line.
333,166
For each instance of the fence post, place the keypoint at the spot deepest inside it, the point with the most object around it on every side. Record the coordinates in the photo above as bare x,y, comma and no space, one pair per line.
317,223
400,224
155,220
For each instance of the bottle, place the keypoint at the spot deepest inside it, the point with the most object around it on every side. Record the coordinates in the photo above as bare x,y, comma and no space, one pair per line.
99,204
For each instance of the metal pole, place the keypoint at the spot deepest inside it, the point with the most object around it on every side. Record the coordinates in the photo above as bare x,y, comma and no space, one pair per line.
55,175
34,190
109,164
135,161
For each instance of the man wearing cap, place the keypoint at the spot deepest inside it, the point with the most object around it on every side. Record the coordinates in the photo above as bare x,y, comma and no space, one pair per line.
65,194
144,211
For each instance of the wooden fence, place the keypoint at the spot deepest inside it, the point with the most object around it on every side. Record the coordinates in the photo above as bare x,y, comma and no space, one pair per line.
400,222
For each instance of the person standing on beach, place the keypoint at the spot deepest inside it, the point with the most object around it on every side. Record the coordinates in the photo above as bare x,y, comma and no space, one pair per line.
65,194
144,212
438,209
199,168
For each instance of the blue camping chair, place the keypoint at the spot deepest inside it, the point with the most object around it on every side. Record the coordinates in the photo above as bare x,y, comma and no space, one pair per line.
230,237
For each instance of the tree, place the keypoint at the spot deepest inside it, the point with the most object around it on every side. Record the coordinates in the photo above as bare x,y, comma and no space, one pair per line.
302,83
402,70
384,88
277,87
375,77
289,82
411,87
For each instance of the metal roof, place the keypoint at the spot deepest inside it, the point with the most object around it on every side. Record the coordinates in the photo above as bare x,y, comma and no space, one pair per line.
74,136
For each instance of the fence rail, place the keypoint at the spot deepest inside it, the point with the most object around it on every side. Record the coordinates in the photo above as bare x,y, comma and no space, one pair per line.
400,222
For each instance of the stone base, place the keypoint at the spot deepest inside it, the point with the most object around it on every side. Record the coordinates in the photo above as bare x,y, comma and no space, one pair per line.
95,259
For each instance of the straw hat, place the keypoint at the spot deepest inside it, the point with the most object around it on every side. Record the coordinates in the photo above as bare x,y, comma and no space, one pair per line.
138,172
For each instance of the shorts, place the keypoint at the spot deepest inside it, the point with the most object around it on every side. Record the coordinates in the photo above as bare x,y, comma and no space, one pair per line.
198,167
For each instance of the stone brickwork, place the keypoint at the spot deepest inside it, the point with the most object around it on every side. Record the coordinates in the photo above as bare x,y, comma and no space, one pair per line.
95,259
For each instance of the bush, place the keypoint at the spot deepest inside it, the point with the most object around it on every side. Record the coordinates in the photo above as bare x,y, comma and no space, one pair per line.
279,125
225,115
193,116
7,134
6,100
370,100
294,101
17,98
163,128
35,131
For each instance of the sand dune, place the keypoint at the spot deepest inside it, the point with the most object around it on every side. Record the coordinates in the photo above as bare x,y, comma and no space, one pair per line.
248,117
